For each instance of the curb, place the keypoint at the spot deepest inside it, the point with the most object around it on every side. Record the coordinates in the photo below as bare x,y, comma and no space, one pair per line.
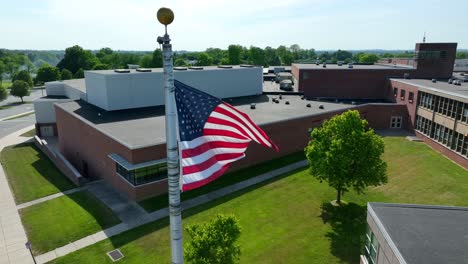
17,115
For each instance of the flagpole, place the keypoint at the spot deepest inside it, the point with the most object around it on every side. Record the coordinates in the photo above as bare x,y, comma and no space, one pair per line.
165,17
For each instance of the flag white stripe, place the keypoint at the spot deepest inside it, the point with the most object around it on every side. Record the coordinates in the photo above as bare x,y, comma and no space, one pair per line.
227,108
201,175
204,139
209,125
194,160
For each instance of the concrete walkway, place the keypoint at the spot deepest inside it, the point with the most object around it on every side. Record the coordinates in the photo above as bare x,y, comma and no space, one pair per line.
12,234
143,219
50,197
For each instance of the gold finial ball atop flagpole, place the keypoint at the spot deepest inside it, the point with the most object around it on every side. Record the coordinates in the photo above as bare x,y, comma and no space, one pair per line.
165,16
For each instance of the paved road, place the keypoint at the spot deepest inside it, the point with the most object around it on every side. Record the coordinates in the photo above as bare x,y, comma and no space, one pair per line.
15,108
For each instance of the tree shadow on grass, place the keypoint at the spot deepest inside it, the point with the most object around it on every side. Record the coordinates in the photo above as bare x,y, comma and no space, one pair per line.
348,223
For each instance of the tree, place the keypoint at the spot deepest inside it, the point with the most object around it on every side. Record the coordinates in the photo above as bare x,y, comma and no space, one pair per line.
47,73
20,89
180,62
257,56
204,59
66,75
75,58
3,93
213,242
234,52
157,61
345,153
101,66
368,58
23,76
79,74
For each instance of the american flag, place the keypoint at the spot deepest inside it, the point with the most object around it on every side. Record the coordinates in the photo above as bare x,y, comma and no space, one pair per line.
213,134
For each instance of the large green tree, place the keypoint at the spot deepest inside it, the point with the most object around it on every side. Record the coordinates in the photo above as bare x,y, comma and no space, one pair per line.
157,60
20,89
47,73
3,93
23,76
347,154
214,242
257,56
77,58
234,54
66,75
368,58
204,59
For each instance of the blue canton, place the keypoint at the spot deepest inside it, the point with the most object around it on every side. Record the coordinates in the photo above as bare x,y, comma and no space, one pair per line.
193,109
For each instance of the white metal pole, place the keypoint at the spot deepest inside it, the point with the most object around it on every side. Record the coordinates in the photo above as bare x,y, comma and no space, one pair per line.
172,153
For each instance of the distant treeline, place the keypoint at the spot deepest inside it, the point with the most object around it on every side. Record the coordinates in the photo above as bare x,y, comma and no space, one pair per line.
72,62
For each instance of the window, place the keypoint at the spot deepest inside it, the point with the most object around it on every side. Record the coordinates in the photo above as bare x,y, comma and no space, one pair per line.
402,94
395,122
143,175
371,247
395,92
410,97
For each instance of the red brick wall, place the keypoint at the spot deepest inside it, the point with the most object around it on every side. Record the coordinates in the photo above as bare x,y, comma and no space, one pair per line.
436,67
412,106
347,84
445,151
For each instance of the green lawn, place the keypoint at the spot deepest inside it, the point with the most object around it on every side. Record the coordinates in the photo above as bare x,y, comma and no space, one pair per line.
289,219
30,133
161,201
7,84
57,222
31,174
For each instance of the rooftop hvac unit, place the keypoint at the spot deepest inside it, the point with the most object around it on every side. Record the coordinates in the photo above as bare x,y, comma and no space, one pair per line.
308,105
324,65
321,107
434,80
143,70
287,102
252,106
225,66
350,65
450,81
122,70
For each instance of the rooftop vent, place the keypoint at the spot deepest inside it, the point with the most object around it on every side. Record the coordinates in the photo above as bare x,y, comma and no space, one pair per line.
457,82
450,81
246,66
321,107
180,68
340,63
195,68
252,106
280,97
324,65
122,70
302,97
225,66
308,105
115,255
287,102
277,101
143,70
406,75
434,80
350,65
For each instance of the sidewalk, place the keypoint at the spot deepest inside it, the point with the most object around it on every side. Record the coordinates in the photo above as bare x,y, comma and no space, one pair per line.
12,234
120,228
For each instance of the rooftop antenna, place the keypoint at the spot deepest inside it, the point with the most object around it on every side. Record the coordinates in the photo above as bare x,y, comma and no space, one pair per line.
424,37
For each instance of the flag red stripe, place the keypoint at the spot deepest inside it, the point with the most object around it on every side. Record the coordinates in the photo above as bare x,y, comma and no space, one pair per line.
233,116
187,153
254,125
209,162
224,122
212,177
220,132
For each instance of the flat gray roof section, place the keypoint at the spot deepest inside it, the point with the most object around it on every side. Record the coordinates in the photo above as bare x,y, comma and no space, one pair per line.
204,68
424,233
441,86
307,66
76,83
143,127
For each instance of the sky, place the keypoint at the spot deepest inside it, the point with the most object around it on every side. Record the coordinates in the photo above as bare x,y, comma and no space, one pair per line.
200,24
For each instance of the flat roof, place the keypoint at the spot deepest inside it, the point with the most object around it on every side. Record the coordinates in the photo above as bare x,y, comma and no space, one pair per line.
79,84
425,233
160,70
313,66
143,127
441,86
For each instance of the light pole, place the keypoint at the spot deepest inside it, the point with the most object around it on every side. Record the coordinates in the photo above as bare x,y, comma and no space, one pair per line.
165,17
29,246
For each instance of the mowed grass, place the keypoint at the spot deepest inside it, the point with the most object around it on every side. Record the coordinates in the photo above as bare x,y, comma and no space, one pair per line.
161,201
7,84
290,220
57,222
31,174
